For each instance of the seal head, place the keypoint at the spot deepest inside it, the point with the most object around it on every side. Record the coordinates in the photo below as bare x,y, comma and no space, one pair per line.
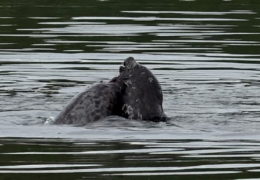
97,102
142,97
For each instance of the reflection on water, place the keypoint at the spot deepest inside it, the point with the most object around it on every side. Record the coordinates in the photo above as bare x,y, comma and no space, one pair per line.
206,56
129,159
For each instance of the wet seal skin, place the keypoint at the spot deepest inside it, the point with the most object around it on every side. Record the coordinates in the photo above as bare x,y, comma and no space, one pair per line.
142,97
134,94
97,102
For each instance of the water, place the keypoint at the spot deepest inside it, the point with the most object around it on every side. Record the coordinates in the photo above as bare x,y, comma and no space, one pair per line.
205,54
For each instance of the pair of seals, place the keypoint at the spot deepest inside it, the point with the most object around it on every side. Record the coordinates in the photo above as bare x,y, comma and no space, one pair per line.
134,94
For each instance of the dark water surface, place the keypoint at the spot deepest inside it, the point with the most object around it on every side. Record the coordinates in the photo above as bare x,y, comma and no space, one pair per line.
206,54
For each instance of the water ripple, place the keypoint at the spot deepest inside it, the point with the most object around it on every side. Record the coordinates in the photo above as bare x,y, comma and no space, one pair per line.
205,57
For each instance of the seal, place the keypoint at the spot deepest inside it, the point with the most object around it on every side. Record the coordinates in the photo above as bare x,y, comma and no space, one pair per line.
134,94
97,102
142,97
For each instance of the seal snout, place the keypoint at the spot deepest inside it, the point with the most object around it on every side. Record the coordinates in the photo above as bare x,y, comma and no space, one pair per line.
130,63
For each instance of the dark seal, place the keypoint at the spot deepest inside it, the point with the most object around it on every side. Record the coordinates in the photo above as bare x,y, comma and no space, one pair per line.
142,97
97,102
134,94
